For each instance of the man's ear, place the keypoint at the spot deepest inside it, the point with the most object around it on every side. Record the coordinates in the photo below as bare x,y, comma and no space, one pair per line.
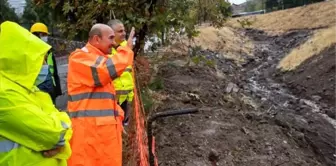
96,38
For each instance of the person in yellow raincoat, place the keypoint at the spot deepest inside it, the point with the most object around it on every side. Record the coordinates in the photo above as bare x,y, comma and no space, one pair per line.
124,84
32,131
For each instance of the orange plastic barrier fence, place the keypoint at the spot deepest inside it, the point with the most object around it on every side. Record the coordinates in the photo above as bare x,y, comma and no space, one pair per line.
141,141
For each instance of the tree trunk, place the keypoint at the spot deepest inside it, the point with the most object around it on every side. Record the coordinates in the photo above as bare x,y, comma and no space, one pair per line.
163,36
139,45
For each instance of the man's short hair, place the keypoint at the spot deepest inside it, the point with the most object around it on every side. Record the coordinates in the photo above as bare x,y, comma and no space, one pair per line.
113,23
95,30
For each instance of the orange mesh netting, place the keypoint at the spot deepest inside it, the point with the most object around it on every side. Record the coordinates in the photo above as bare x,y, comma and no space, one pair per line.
139,139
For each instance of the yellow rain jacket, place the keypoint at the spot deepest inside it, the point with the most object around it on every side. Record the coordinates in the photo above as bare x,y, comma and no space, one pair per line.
29,122
124,84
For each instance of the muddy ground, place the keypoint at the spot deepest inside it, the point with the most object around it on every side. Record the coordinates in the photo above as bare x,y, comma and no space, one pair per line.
315,79
249,114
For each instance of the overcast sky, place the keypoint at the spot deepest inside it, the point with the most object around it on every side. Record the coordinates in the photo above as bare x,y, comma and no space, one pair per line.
237,1
18,5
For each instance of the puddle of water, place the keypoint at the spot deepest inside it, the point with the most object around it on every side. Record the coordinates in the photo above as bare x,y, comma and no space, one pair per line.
282,95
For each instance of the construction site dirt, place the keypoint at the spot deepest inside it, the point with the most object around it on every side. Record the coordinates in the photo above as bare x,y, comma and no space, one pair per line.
249,114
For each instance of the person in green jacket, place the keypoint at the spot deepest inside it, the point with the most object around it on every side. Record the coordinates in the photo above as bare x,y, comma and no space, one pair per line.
52,85
32,131
124,84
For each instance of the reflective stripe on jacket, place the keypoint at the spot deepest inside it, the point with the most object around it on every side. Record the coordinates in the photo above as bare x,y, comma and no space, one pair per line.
51,66
124,84
95,115
51,61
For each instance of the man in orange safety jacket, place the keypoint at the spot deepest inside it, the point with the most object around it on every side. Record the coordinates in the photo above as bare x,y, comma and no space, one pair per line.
96,117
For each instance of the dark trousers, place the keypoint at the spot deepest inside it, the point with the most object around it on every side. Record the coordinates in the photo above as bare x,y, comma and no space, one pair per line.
124,106
53,96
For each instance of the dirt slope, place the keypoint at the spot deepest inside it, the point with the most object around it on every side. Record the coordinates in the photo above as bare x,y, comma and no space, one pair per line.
238,133
246,118
312,16
321,40
255,113
315,78
320,133
310,64
309,69
226,41
320,16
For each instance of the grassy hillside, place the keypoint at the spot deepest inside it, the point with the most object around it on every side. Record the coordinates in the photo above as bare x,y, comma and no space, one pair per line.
306,17
320,17
321,40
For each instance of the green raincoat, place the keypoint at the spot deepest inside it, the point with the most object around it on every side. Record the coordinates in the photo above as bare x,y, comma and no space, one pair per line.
29,122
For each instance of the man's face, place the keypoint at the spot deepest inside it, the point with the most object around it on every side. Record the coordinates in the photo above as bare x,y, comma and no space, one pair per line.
120,33
106,41
44,37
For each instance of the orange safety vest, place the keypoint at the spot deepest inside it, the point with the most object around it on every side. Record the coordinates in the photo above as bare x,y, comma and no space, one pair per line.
96,117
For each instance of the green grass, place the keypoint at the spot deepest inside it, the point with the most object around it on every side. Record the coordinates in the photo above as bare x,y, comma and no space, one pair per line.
147,100
156,84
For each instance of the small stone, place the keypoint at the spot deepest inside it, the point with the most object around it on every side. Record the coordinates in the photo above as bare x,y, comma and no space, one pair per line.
235,89
198,154
302,101
252,141
213,156
317,98
244,130
231,87
300,71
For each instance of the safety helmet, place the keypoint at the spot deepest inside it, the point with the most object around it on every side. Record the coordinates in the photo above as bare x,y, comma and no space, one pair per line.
39,27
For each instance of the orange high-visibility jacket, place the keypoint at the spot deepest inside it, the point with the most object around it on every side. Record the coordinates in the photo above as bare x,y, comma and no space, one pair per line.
92,106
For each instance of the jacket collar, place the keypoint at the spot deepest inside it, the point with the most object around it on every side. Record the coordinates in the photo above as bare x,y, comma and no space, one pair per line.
94,50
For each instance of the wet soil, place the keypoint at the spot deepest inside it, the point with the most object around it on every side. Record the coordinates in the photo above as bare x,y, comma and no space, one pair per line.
315,79
248,116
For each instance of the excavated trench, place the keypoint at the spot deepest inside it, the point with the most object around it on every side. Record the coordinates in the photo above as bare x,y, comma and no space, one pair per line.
292,109
248,115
